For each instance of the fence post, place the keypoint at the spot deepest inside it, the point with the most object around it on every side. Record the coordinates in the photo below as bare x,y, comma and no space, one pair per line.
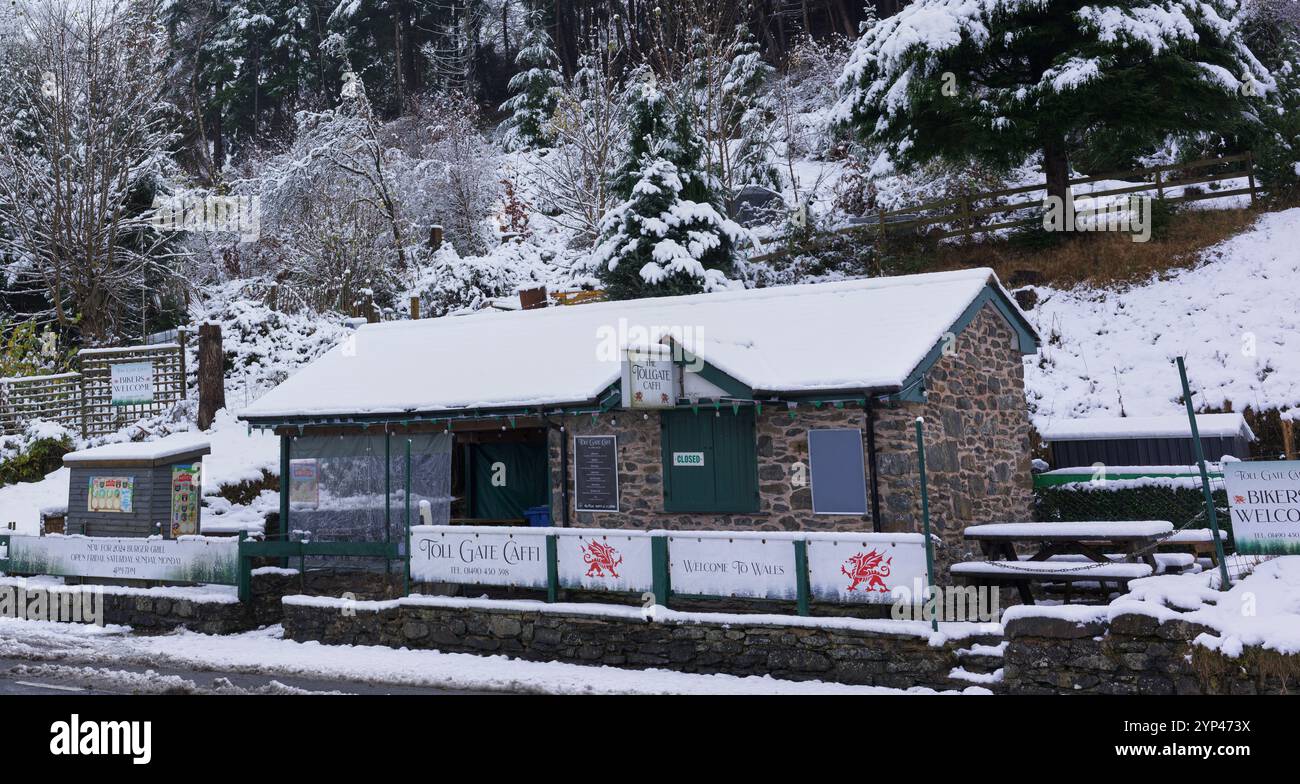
1288,437
801,575
1160,188
245,570
415,308
552,569
1250,174
1205,478
659,569
925,517
182,337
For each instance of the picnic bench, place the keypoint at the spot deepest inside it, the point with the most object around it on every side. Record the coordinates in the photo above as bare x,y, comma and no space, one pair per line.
1111,551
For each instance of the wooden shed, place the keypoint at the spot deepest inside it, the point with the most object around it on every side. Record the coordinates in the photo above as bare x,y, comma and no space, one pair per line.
136,489
1144,441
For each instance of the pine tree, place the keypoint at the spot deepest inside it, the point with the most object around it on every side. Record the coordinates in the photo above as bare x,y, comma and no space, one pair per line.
659,243
996,80
533,89
748,119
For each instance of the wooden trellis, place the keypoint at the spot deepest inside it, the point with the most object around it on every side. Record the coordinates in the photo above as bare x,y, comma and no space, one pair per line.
84,401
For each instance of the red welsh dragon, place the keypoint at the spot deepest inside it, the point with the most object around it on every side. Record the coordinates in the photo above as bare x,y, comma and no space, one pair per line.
871,568
602,558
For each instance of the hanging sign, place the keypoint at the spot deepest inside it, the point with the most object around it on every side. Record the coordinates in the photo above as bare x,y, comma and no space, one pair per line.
650,380
595,473
131,383
1264,505
732,565
474,555
688,459
111,494
185,500
304,483
866,569
604,560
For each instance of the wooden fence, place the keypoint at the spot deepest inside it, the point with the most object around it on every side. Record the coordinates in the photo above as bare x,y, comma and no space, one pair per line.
988,211
83,401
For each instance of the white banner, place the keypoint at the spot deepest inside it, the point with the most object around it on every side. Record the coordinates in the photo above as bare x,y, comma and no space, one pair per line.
866,569
604,560
194,559
1264,504
732,565
478,555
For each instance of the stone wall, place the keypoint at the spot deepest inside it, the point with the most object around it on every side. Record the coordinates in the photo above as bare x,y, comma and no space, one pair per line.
152,611
794,652
1133,654
977,450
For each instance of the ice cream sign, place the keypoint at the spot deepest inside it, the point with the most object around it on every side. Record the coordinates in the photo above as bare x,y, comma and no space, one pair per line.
650,380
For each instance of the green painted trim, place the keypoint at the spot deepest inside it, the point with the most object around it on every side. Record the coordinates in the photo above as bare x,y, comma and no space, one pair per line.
660,582
801,574
913,390
1059,480
715,376
552,569
245,578
406,541
925,515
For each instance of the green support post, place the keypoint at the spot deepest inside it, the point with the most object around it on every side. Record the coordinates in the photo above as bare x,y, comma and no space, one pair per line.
659,569
388,505
552,569
1224,583
245,570
801,575
925,516
4,545
406,543
286,454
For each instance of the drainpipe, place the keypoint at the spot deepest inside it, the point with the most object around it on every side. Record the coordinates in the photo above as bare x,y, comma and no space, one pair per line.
873,465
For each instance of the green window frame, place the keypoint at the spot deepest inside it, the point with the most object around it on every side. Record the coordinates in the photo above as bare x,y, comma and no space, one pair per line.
727,479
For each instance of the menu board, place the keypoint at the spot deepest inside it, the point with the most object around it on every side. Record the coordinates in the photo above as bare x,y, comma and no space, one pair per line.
111,494
595,473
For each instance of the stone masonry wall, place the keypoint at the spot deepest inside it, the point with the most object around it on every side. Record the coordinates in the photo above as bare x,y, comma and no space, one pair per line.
977,453
1133,654
788,652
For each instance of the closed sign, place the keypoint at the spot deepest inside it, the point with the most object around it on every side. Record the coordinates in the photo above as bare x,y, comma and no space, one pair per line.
688,459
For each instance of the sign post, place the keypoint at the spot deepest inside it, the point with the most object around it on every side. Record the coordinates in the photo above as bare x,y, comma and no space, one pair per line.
1224,584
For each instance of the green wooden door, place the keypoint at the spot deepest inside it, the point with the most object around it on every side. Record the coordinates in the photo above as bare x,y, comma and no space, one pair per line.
710,461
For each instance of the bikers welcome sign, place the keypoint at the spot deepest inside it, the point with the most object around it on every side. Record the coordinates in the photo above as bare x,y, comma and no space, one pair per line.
1264,504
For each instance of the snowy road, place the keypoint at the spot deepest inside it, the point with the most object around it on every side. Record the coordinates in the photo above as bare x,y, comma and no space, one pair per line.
43,657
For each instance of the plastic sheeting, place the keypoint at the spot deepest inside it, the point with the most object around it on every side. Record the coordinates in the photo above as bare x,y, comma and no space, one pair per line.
338,484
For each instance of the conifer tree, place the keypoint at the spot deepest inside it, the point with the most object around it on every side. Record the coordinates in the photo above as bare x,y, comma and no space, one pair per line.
533,89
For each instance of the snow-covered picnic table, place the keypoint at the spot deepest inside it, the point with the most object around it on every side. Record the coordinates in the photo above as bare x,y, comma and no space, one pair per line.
1134,540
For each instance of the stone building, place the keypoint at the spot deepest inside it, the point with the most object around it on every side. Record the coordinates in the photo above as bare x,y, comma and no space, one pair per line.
781,409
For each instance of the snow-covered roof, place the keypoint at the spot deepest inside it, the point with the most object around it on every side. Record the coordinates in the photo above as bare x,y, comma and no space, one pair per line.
178,445
1096,428
850,335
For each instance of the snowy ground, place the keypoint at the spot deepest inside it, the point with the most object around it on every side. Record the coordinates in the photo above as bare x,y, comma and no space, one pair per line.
112,655
1233,317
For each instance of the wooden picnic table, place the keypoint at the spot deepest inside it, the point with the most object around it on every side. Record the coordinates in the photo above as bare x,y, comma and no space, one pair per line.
1134,540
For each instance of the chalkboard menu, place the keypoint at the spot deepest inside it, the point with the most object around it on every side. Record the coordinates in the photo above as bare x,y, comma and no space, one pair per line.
595,473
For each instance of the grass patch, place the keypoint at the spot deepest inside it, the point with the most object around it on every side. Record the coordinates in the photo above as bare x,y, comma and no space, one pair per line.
1265,668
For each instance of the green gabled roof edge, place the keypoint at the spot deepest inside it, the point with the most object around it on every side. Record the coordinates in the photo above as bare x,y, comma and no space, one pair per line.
1026,336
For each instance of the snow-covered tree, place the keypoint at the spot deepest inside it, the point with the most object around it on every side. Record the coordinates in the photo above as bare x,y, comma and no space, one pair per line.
573,179
82,154
997,80
659,243
748,118
669,234
534,89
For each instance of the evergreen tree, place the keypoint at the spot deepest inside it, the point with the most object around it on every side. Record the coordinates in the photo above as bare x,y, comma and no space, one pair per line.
997,80
748,119
659,243
533,89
